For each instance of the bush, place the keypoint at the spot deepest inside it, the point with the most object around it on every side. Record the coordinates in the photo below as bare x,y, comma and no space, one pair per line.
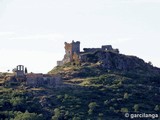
76,118
57,112
28,116
106,102
92,107
136,108
126,96
90,112
157,108
111,108
17,101
124,110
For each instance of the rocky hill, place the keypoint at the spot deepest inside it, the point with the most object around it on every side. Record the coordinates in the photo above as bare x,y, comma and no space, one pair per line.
101,62
114,61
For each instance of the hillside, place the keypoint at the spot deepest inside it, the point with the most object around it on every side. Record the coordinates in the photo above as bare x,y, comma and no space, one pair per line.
119,82
104,86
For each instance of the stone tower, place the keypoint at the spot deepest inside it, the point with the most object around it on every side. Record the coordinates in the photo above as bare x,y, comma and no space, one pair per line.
72,51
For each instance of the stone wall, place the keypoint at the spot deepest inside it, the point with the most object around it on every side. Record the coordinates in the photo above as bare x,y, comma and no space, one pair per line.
103,48
75,47
37,80
91,49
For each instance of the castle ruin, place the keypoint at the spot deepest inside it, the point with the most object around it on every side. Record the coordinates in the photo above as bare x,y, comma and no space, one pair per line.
34,79
73,53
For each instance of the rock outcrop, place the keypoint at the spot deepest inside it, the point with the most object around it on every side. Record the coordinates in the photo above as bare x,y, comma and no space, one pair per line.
113,61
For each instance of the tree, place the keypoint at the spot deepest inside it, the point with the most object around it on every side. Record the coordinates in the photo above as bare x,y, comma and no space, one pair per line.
150,63
92,107
156,108
100,116
136,107
90,111
26,71
57,114
126,96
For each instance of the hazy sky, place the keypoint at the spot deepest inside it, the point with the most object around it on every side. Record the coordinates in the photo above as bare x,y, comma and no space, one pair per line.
33,32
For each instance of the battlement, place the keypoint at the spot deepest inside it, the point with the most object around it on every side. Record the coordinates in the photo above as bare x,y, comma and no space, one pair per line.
103,48
72,47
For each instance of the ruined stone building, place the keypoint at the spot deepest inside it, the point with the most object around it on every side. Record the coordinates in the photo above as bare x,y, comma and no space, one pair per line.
73,53
19,71
34,79
43,80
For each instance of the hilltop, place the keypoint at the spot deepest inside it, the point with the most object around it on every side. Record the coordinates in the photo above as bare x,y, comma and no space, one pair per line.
103,62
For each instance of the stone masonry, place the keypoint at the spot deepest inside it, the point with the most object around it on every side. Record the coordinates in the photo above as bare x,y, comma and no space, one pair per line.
72,51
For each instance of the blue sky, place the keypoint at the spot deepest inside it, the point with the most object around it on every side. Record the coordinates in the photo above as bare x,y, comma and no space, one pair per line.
33,32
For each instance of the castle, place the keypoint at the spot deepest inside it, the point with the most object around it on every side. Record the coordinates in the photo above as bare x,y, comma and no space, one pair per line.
73,53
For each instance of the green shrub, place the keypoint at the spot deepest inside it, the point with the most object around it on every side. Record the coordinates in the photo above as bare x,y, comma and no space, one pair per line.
157,108
90,112
28,116
17,101
124,110
92,107
126,96
136,108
